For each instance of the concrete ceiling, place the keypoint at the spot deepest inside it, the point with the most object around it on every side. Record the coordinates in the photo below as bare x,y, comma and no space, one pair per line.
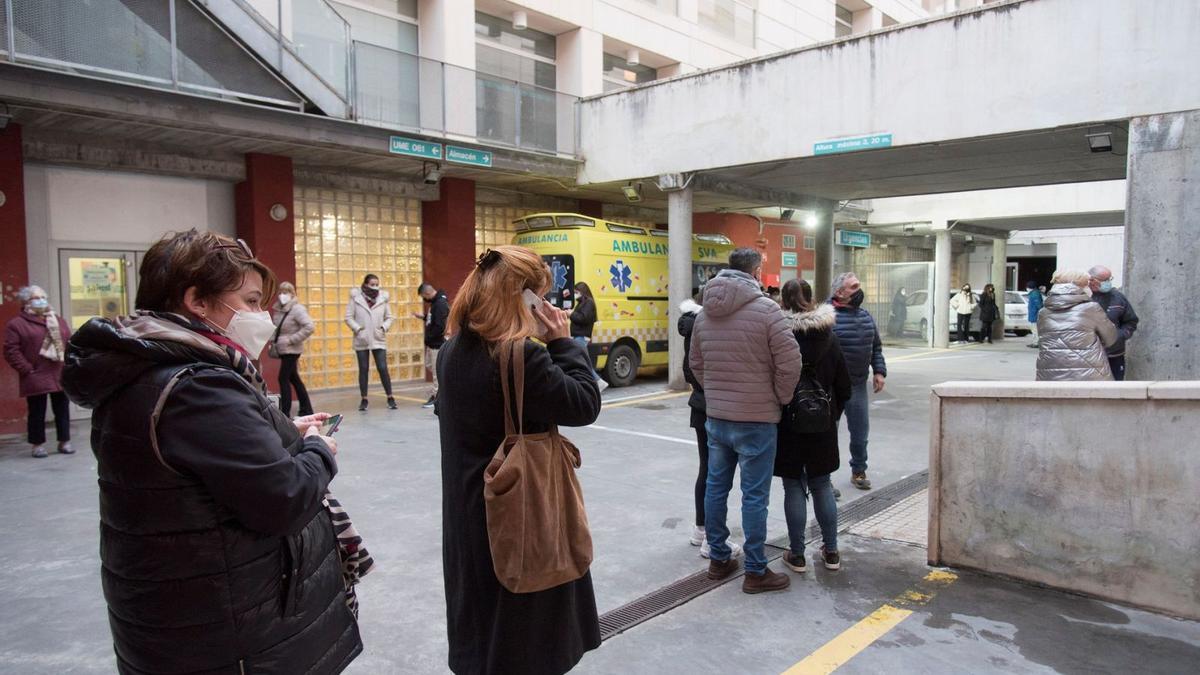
1017,160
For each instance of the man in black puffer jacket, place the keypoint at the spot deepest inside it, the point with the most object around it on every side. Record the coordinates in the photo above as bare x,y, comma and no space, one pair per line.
859,338
217,552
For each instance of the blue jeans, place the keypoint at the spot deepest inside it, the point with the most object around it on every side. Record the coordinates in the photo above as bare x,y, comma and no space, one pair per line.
858,418
795,509
584,341
751,446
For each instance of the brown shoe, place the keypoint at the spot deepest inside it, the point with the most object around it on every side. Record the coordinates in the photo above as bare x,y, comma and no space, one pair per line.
765,582
722,569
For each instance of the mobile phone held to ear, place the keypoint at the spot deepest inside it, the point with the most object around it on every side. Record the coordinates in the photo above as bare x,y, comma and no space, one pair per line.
331,425
532,300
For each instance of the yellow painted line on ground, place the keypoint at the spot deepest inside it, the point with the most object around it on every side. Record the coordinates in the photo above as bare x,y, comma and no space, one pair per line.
838,651
409,398
674,394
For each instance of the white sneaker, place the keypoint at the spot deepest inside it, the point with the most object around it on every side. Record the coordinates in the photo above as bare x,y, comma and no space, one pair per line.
735,550
602,384
697,536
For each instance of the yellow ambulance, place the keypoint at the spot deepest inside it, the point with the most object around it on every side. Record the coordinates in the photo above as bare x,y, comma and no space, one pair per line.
626,268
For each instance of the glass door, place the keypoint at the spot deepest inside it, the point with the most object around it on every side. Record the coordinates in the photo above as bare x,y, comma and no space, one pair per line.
96,284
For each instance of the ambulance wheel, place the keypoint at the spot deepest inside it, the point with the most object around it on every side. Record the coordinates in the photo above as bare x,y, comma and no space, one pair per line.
622,366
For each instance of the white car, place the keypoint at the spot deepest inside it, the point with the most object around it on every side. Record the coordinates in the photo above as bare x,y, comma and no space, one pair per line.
1016,315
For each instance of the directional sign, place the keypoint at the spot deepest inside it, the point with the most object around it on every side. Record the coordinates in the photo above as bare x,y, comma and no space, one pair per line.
412,147
789,259
854,239
852,144
468,156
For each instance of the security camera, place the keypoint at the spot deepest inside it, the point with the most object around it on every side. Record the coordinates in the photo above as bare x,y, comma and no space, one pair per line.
432,173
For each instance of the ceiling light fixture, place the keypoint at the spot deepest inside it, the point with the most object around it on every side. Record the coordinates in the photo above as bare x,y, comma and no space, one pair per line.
632,192
811,222
633,57
520,21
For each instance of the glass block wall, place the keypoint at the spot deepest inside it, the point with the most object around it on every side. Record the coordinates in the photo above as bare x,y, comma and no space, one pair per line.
494,224
341,236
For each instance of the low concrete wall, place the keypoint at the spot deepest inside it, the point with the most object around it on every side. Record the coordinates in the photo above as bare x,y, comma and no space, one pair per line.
1088,487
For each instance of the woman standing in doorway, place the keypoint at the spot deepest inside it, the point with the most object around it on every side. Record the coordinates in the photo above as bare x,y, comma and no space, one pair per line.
369,316
35,345
989,311
293,326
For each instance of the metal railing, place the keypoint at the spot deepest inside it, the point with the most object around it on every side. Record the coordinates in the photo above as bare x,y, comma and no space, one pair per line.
166,44
313,31
406,92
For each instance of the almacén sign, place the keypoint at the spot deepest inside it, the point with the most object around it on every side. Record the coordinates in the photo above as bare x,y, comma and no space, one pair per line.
853,144
468,156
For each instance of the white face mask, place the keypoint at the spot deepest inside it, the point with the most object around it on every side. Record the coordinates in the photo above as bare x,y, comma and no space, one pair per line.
251,330
578,296
285,298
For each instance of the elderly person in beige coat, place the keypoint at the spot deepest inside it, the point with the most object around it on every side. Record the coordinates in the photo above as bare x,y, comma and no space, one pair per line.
1073,332
748,363
370,316
293,326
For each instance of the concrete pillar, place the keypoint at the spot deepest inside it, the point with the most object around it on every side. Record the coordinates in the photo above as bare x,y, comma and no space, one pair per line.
824,253
448,235
268,184
579,62
14,264
1162,215
939,324
448,35
679,240
999,275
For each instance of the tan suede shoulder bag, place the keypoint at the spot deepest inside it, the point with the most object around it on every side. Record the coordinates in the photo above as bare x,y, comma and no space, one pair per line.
537,527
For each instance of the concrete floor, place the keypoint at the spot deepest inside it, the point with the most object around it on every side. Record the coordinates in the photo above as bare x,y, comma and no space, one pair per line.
639,467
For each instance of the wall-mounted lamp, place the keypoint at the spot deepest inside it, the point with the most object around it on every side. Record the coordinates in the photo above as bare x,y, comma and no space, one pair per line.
520,21
786,215
431,173
633,57
632,192
278,213
1100,142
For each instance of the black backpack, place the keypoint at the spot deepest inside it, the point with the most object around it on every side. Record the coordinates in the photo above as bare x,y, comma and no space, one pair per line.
809,410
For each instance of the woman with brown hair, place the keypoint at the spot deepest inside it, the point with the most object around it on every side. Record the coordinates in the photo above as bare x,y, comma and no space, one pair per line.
216,538
492,630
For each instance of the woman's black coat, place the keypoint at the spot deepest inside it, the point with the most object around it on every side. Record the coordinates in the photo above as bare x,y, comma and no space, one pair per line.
583,319
492,630
988,310
816,454
687,320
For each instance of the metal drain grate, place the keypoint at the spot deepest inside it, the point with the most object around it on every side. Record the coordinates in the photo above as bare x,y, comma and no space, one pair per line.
672,595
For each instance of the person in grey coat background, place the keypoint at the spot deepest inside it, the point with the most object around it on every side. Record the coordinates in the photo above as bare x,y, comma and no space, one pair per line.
1073,332
748,363
293,326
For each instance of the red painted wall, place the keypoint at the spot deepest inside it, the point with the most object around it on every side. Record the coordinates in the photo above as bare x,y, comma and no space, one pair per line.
743,230
268,182
14,265
448,235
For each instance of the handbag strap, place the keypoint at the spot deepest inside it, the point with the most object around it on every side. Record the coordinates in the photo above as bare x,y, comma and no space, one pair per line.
275,337
513,354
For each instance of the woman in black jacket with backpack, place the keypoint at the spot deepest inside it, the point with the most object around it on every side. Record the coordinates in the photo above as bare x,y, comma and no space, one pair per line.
805,460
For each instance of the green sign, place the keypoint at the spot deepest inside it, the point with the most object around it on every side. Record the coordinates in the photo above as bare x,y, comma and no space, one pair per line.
854,239
468,156
789,260
412,147
835,146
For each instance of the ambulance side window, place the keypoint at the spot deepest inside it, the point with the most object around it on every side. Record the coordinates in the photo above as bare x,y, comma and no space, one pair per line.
702,272
562,278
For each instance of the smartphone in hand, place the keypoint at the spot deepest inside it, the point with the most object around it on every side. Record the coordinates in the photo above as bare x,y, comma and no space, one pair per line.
532,300
331,425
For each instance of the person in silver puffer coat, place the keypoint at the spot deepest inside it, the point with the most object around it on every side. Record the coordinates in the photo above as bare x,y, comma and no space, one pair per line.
1073,333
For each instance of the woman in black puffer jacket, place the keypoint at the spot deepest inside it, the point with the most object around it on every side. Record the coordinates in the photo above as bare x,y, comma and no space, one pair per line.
805,461
218,551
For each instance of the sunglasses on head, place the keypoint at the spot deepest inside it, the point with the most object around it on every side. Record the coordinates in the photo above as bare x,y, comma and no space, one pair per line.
240,246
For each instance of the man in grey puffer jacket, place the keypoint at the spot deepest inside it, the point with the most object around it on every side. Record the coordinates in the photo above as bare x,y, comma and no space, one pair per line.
748,363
